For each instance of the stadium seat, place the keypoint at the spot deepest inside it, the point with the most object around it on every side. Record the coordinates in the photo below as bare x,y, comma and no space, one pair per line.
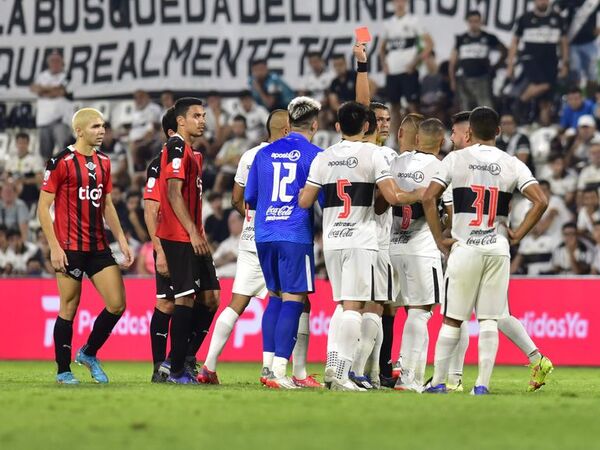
104,107
122,114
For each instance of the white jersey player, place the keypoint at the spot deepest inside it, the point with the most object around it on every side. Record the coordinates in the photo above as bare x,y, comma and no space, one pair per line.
414,254
483,179
249,281
348,173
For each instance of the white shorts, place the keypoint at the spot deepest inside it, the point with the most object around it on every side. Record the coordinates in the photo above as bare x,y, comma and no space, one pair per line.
475,281
420,280
249,279
384,278
351,273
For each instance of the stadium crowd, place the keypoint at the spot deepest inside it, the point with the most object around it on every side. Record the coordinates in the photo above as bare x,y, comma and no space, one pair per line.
544,85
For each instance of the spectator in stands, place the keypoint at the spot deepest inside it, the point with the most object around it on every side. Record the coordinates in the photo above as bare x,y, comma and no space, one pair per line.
225,256
14,213
256,117
582,33
543,142
217,122
143,138
135,224
119,202
513,141
534,256
326,135
563,181
5,265
589,178
26,169
53,107
575,107
404,46
316,82
342,87
596,236
268,88
167,100
540,32
20,252
578,145
117,153
215,225
470,70
434,98
589,213
573,256
230,154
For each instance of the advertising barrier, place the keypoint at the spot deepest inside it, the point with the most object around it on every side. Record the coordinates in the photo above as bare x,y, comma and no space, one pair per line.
561,315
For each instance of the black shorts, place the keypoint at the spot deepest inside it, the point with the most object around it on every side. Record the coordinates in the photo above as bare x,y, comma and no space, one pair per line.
540,72
164,285
403,85
190,273
89,263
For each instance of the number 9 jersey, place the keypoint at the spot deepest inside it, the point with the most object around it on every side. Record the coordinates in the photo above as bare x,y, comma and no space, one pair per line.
483,180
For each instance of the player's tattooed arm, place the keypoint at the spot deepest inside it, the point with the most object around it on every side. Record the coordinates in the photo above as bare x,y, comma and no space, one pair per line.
308,196
197,239
430,207
112,220
58,258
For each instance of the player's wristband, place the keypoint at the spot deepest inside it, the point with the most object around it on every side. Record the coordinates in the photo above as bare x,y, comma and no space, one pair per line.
362,66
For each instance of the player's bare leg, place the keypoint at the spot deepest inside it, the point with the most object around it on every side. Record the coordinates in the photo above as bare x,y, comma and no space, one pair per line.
109,284
70,294
414,336
370,326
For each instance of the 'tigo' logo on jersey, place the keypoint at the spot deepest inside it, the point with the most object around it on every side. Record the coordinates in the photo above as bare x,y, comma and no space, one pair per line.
85,193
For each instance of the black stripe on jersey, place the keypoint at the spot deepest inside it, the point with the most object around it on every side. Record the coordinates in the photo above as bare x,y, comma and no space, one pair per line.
390,283
68,243
440,180
175,148
417,211
79,204
446,298
52,162
361,194
104,183
464,198
537,258
527,183
372,283
436,286
93,184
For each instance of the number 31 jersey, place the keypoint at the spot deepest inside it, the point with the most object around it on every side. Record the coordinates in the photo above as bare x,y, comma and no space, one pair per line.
483,179
347,172
410,232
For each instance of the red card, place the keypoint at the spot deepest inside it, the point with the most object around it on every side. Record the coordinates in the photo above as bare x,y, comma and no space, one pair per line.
362,34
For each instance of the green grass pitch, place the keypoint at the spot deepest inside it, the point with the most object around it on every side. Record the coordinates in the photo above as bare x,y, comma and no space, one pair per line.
130,413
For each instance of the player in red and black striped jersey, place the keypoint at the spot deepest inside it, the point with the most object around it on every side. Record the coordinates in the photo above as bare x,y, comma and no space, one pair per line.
182,238
78,182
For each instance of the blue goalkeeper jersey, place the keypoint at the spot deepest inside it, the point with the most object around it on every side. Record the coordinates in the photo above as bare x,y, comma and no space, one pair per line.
277,175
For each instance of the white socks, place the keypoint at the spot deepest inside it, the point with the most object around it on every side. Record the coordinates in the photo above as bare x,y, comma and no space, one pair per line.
422,364
444,349
415,333
514,330
334,327
221,333
279,367
371,324
347,341
457,361
373,361
301,347
488,346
